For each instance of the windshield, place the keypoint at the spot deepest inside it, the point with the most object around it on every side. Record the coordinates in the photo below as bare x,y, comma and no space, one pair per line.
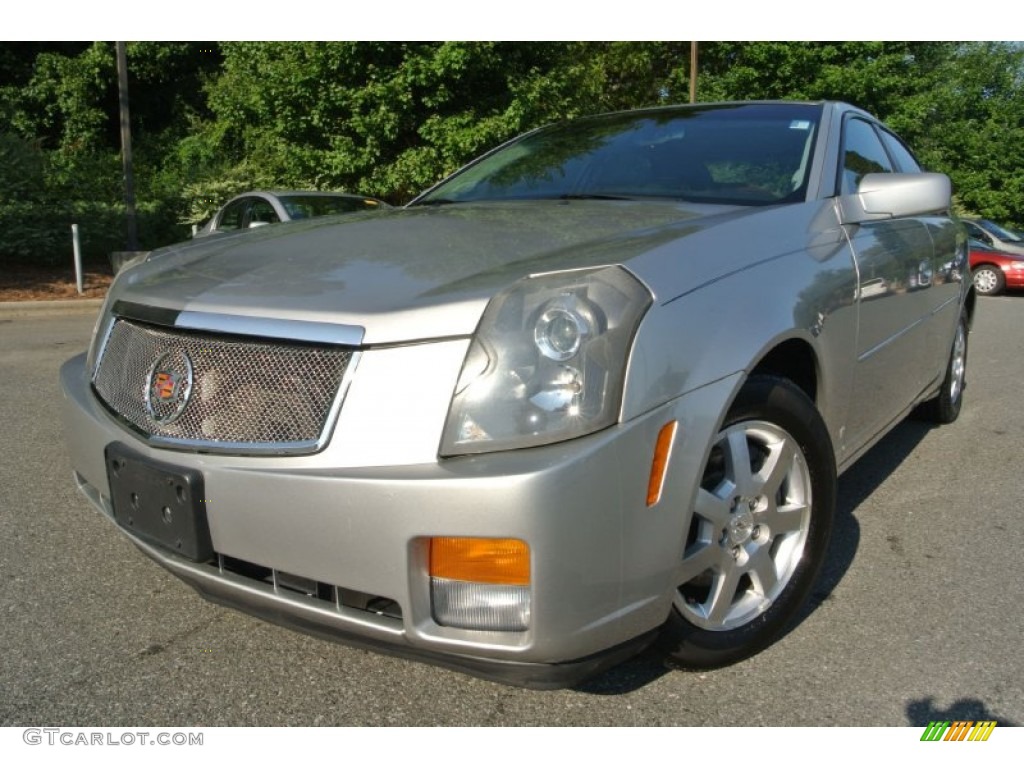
748,154
1000,232
308,206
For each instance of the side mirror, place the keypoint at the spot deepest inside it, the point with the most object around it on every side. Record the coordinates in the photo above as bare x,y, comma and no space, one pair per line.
892,195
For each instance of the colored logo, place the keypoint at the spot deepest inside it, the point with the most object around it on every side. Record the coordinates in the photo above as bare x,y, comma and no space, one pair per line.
168,387
165,385
958,730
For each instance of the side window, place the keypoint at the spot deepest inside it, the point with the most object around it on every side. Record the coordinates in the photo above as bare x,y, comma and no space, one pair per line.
973,230
904,160
232,217
863,153
262,212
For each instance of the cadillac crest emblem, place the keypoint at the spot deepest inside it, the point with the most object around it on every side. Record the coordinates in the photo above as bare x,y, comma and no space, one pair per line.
168,387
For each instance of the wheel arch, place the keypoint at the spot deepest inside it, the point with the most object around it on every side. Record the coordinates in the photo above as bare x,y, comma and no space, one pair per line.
793,359
990,264
970,302
798,360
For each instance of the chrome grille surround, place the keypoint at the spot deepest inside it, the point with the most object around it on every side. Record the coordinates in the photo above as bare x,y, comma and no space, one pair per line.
246,394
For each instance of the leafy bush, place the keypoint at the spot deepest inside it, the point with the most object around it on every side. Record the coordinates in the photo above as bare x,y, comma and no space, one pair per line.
210,120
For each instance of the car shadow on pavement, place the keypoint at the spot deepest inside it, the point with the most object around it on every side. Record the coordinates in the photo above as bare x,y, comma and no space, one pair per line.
857,484
921,712
631,675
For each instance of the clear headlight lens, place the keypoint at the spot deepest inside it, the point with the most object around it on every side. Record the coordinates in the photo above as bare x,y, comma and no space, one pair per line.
547,361
563,327
99,335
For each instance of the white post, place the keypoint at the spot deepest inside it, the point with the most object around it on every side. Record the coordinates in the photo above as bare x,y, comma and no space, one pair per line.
78,258
195,229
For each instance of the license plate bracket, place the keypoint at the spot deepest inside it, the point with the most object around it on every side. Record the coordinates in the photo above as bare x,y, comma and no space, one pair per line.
161,504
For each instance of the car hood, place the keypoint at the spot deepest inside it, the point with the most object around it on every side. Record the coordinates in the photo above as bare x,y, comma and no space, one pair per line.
402,275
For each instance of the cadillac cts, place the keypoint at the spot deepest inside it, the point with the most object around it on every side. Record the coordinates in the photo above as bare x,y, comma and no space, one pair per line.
590,392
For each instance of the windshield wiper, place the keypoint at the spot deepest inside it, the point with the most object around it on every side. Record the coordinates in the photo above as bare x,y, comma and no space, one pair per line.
591,197
447,201
438,201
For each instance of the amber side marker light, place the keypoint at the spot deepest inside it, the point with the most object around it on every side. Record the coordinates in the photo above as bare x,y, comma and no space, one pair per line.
481,584
659,464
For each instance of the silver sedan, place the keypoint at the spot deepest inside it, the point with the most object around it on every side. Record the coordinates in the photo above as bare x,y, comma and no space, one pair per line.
590,392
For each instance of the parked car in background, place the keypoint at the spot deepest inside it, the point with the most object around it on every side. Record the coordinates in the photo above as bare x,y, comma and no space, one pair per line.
590,392
258,209
993,271
994,236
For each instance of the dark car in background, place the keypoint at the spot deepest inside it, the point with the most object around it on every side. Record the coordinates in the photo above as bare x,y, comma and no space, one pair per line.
259,209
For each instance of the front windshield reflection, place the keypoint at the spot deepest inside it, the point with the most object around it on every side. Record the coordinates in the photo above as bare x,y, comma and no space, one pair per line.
753,154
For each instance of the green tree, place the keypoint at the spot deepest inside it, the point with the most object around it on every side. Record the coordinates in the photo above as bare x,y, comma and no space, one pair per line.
390,119
62,100
971,126
382,118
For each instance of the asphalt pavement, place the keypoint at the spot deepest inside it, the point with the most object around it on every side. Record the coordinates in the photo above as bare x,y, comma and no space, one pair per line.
916,617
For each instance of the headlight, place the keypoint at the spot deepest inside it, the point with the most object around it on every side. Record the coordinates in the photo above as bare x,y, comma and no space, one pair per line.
99,335
547,361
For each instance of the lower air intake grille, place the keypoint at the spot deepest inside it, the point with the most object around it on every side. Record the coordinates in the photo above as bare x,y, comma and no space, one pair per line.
228,393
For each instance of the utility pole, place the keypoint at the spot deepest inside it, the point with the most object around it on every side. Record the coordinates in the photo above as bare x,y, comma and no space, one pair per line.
126,146
693,72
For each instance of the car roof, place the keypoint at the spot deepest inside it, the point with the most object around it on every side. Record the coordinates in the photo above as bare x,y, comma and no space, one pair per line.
312,193
268,194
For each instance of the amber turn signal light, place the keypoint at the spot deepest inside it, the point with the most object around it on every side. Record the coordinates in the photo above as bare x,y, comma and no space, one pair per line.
485,561
659,464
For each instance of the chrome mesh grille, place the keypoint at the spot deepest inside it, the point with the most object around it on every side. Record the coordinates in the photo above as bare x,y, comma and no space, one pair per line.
241,392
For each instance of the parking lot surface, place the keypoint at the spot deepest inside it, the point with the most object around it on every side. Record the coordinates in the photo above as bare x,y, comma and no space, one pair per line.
916,617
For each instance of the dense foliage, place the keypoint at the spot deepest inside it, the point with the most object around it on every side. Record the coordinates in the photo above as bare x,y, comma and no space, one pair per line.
389,119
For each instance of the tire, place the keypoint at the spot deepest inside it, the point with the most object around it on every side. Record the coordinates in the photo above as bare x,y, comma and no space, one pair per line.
944,408
759,531
988,281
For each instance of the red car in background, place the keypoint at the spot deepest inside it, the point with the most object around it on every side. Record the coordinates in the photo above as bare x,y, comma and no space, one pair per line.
994,271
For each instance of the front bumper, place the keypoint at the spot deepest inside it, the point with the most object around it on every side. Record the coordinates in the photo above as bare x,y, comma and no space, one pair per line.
601,561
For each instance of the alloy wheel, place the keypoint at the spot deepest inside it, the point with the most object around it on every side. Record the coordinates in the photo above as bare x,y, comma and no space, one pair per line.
749,528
